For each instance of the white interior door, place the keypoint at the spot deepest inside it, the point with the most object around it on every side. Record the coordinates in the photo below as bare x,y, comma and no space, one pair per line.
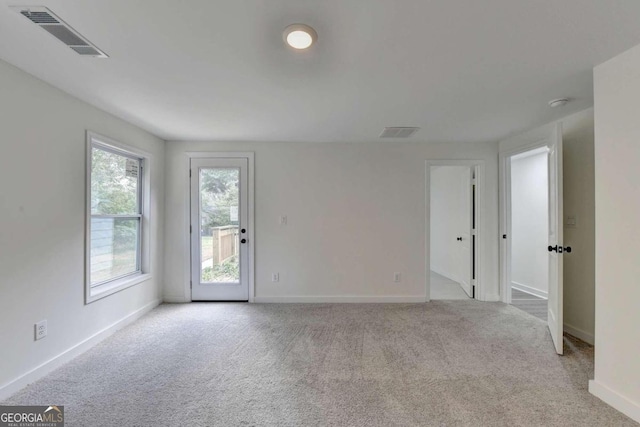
551,137
219,229
555,248
464,225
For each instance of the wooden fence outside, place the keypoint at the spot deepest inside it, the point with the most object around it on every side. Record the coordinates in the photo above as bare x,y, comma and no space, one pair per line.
225,243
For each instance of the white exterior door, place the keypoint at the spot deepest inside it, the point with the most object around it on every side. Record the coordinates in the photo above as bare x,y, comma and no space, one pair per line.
219,229
555,248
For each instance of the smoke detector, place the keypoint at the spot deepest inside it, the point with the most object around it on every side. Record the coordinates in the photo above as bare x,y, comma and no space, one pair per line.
59,29
561,102
398,132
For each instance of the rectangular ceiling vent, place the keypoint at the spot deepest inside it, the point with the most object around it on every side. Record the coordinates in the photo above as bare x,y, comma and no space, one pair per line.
59,29
398,132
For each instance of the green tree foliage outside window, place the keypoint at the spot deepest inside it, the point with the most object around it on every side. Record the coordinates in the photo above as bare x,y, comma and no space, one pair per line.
219,194
114,193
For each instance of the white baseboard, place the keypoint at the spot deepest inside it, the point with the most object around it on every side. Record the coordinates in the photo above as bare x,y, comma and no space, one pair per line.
491,298
530,290
579,333
8,389
175,299
342,299
621,403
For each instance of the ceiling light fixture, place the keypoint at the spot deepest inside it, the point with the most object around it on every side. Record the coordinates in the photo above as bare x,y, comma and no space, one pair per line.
299,36
558,102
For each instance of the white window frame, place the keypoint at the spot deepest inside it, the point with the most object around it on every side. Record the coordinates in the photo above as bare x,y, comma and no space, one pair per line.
109,287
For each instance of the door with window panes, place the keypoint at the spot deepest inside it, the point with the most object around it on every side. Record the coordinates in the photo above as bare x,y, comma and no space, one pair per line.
219,235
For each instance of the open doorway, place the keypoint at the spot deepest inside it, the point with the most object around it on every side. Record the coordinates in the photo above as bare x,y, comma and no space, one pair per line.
529,285
520,152
452,225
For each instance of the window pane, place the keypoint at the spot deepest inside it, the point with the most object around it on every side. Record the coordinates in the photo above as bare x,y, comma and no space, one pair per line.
114,248
114,183
219,237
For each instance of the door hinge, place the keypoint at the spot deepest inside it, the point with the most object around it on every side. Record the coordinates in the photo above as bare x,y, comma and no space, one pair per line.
191,284
189,173
190,229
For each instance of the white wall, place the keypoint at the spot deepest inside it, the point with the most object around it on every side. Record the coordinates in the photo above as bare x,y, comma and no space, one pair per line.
445,224
617,156
530,224
42,226
356,215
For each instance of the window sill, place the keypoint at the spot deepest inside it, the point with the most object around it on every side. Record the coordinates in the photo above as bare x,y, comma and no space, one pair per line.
94,294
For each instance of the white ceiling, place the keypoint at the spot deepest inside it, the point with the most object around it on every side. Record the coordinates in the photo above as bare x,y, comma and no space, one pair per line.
462,70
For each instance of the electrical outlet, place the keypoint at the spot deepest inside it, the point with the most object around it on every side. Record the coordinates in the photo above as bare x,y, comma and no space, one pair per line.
41,329
396,277
275,277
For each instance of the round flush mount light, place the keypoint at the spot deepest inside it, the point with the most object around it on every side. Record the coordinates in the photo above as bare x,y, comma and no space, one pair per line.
561,102
299,36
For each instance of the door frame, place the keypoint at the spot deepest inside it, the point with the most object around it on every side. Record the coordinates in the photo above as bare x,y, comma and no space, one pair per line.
504,197
478,169
250,156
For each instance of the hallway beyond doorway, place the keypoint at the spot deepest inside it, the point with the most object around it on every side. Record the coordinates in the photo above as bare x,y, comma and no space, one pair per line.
443,288
528,303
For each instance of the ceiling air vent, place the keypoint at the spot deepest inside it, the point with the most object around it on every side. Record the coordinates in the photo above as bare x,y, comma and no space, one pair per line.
55,26
398,132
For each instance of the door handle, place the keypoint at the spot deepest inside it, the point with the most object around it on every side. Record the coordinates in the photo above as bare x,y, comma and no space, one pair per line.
459,239
243,241
560,249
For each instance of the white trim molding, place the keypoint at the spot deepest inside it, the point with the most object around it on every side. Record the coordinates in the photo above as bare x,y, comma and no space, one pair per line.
529,290
579,333
146,239
175,299
478,168
507,151
491,297
8,389
341,299
250,156
616,400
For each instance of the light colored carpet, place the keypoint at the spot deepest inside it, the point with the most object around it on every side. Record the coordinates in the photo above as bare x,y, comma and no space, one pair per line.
443,288
446,363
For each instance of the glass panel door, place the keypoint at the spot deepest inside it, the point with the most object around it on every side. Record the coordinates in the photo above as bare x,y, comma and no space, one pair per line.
219,220
219,236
